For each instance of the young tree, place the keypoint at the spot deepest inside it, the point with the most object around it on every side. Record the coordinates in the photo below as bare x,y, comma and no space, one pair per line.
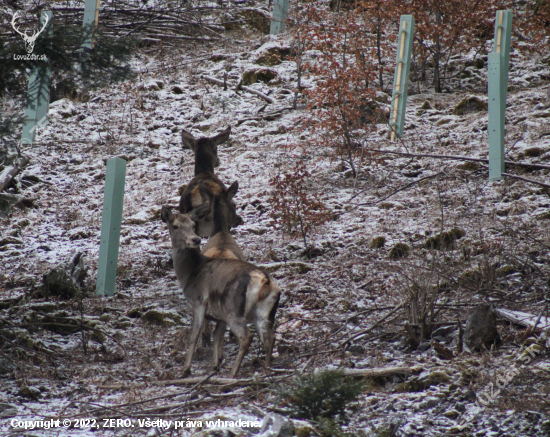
447,27
341,52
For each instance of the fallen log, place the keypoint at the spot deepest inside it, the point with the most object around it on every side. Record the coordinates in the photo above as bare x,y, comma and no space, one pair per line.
11,171
372,373
524,319
384,371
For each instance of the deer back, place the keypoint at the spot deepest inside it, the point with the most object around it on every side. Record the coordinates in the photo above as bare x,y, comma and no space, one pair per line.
192,197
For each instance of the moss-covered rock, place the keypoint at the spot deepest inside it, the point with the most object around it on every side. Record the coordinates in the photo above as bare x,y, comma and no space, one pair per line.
275,55
254,18
533,152
135,313
400,250
505,271
377,242
160,318
258,75
469,105
413,385
445,240
426,105
30,393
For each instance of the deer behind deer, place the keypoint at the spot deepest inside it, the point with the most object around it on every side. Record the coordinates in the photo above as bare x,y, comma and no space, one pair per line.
206,158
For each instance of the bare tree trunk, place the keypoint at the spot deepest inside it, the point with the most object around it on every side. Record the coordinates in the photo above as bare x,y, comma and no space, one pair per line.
379,54
437,54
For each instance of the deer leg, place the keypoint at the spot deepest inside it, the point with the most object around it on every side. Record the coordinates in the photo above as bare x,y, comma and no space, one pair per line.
267,336
269,339
218,343
198,321
245,338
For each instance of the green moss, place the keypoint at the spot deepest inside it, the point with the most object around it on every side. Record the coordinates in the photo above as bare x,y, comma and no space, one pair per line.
413,385
258,75
303,431
256,20
377,242
160,318
98,336
533,152
469,105
23,223
505,271
400,250
274,56
437,377
426,105
445,240
135,313
469,166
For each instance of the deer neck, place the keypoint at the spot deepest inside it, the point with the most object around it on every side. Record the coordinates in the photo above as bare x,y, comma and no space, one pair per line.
186,263
203,162
220,221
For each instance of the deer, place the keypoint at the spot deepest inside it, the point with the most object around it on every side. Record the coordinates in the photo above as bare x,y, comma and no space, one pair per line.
29,40
206,158
228,291
221,244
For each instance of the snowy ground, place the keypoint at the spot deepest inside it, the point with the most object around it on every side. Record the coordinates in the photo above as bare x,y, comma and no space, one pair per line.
345,288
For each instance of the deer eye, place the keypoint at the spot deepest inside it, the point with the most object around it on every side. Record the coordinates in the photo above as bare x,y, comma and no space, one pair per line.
175,227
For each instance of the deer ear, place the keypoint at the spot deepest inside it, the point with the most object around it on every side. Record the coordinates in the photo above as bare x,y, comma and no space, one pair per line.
199,212
166,214
222,137
232,190
188,140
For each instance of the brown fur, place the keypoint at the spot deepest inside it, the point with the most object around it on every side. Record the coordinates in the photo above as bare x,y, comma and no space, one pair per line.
226,290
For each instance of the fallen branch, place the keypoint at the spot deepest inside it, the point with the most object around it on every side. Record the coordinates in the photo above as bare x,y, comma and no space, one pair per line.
195,380
269,116
10,197
366,331
461,158
384,371
11,171
394,192
526,180
258,93
240,87
524,319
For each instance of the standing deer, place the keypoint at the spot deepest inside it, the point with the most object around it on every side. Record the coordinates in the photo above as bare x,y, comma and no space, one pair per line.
206,158
229,291
221,244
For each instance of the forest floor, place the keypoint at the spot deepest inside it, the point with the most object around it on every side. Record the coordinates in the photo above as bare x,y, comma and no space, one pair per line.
348,301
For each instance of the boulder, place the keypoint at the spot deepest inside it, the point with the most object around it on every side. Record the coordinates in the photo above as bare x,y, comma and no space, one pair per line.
481,328
66,279
275,425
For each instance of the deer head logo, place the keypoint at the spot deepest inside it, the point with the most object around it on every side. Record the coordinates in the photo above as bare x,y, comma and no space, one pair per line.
29,40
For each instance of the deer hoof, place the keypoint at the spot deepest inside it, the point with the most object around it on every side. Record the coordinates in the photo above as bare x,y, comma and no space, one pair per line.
187,372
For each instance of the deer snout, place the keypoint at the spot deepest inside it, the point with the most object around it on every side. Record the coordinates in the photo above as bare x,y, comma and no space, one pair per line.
194,242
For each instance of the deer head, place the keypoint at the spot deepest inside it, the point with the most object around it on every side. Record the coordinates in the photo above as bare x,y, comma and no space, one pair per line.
29,40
